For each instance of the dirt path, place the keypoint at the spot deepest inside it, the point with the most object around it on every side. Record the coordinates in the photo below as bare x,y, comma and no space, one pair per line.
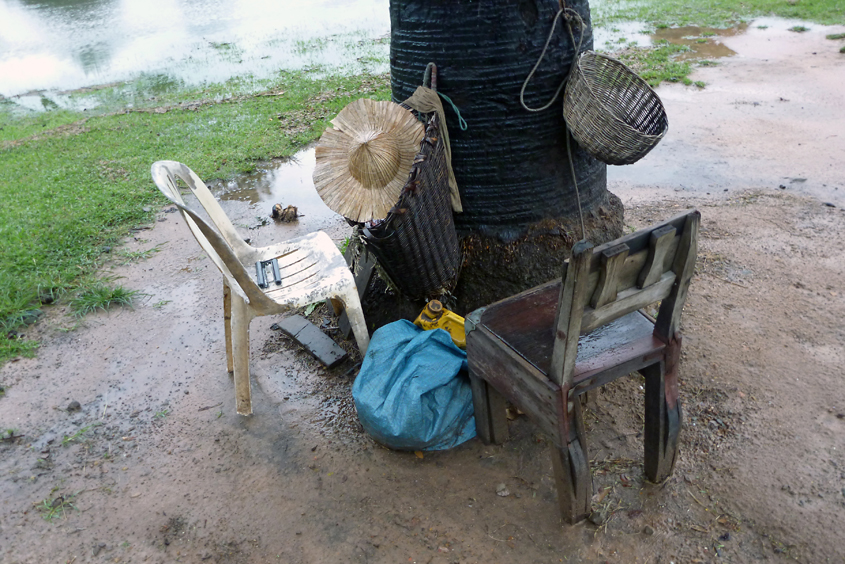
156,466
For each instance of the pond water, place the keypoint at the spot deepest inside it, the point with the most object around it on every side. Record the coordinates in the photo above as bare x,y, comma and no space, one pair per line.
69,44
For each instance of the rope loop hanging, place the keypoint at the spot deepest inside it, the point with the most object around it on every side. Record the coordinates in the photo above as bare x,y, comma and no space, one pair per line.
569,15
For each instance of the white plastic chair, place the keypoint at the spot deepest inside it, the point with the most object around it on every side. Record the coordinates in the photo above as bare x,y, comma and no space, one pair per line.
312,269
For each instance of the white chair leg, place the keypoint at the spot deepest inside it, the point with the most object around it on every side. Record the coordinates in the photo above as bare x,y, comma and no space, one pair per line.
227,325
355,313
241,316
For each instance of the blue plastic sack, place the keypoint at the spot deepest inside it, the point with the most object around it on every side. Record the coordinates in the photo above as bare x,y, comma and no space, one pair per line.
412,392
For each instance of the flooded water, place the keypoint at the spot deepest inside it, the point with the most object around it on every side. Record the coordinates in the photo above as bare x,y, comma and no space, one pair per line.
703,42
69,44
289,183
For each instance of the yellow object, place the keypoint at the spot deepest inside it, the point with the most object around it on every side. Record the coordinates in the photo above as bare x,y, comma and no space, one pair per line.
435,316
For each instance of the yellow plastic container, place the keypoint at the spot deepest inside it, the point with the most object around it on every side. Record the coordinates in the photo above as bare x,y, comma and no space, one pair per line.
435,316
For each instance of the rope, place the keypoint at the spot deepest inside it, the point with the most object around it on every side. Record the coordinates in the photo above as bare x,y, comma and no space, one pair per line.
461,122
575,182
569,15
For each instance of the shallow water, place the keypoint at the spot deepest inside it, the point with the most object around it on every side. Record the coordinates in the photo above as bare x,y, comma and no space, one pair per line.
286,183
69,44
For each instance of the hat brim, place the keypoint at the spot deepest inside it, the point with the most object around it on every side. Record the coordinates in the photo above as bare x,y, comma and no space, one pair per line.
364,119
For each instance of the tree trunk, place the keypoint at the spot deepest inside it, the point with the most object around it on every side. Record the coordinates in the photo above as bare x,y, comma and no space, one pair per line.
521,213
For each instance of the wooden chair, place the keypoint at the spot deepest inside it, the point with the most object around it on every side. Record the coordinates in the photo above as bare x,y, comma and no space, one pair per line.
542,348
310,269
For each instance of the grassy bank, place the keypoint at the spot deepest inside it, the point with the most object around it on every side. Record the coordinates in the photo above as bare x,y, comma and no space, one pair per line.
72,186
720,13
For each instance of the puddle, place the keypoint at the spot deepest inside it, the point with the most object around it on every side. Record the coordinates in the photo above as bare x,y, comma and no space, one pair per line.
77,43
288,183
704,42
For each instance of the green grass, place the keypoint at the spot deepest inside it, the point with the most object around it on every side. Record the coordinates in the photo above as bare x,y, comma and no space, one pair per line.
73,184
52,509
100,295
657,64
706,12
836,36
67,439
144,254
799,29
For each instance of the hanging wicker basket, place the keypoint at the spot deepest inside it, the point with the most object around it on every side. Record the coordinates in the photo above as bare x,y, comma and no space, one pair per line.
611,111
416,244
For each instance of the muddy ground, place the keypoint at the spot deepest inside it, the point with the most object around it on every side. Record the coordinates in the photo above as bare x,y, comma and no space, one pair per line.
156,466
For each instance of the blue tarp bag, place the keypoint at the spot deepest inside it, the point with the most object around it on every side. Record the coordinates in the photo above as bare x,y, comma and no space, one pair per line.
413,392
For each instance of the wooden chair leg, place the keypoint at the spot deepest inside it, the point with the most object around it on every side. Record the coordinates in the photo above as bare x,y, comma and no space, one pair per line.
662,425
498,415
241,316
481,407
227,325
491,422
572,471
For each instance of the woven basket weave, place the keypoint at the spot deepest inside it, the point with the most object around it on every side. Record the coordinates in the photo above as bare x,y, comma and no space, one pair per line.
416,244
612,112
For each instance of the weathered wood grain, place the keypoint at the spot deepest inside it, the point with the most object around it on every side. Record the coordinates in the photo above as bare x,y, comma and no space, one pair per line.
612,261
658,247
514,378
669,316
627,301
570,311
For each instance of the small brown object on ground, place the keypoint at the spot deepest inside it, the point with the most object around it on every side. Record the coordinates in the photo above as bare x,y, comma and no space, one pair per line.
284,215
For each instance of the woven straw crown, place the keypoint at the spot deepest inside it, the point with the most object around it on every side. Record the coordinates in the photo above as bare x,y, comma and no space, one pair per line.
364,159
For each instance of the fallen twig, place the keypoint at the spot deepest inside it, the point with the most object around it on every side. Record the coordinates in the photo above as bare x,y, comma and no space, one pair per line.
696,500
725,281
210,407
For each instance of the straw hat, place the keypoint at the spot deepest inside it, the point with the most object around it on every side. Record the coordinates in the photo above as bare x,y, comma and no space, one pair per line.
364,160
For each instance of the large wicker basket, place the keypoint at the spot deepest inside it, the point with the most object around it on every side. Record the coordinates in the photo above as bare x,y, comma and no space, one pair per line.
611,111
416,244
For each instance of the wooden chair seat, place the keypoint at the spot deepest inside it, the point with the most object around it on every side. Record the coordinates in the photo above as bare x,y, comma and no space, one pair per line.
530,332
542,348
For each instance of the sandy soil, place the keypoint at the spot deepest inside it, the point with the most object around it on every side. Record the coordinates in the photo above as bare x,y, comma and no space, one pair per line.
157,467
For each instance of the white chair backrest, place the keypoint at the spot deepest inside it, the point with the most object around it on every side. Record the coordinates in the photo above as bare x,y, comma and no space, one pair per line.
221,243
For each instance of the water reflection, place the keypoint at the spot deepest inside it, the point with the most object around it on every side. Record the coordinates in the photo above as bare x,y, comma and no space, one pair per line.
289,183
703,42
66,44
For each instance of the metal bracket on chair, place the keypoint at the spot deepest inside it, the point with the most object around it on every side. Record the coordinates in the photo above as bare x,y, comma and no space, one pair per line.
473,319
261,273
277,275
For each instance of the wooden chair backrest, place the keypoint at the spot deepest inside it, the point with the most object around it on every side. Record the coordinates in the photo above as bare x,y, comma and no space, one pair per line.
601,284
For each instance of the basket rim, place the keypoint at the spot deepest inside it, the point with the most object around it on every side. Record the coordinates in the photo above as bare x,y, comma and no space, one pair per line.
637,77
